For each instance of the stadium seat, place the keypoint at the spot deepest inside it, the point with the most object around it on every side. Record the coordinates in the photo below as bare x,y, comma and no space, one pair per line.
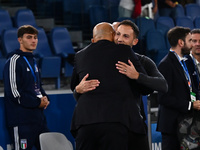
192,10
112,6
156,46
43,48
2,63
88,3
5,20
163,24
98,13
184,22
72,14
62,46
180,12
167,43
144,24
9,41
24,17
54,141
197,22
113,13
49,64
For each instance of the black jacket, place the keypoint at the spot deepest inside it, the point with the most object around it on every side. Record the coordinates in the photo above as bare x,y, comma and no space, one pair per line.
117,99
174,104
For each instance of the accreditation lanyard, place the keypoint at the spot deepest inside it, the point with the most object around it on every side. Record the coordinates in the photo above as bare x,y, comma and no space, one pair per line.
185,70
196,68
32,71
37,89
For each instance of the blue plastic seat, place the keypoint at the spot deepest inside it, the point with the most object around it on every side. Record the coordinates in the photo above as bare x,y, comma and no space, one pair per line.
192,10
113,13
9,41
144,24
156,45
2,63
98,13
88,3
163,24
5,20
72,15
43,48
62,46
184,22
197,22
49,64
167,42
180,12
24,17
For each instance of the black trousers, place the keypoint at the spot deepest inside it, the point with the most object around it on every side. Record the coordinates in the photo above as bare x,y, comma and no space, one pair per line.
138,141
170,142
102,136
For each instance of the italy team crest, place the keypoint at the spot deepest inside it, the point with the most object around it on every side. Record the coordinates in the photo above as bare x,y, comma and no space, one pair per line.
23,143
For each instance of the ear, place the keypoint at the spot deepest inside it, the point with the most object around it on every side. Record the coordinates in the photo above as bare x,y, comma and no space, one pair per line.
20,40
180,42
92,40
135,41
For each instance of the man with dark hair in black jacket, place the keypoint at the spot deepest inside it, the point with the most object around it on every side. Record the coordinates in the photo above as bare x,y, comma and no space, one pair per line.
127,34
25,98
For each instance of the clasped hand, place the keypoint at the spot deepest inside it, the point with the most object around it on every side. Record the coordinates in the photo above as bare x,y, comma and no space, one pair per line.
44,102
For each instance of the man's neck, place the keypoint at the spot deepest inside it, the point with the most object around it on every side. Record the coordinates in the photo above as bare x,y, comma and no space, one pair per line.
178,52
26,51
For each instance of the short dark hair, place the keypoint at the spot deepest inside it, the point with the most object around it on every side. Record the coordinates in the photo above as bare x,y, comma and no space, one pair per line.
177,33
26,29
195,31
132,25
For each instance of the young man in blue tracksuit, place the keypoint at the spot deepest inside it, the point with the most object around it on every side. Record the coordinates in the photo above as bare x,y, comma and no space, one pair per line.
25,99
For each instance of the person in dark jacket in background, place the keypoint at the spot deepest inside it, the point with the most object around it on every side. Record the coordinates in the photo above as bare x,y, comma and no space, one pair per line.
25,98
180,100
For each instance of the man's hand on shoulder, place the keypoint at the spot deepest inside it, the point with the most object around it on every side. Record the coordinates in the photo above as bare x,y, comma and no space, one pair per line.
128,70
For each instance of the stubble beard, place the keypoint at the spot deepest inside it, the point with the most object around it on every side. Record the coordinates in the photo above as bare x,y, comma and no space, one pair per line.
185,50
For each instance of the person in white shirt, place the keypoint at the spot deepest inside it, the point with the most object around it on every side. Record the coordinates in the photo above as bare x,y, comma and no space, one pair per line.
126,8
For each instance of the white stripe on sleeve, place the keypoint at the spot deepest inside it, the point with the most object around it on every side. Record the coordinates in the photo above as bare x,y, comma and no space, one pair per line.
12,75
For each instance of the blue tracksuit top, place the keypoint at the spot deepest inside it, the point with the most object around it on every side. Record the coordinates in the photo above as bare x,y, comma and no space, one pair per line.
21,101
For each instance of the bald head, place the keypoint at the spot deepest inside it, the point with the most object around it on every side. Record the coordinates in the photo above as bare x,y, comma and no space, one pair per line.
103,31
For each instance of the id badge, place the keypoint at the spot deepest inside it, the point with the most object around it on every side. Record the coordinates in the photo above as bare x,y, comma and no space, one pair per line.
192,96
37,91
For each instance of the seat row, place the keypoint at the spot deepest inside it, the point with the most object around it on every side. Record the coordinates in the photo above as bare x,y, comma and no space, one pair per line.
52,53
21,17
191,10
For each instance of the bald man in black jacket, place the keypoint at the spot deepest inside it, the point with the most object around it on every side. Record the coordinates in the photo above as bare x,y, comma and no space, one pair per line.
103,117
